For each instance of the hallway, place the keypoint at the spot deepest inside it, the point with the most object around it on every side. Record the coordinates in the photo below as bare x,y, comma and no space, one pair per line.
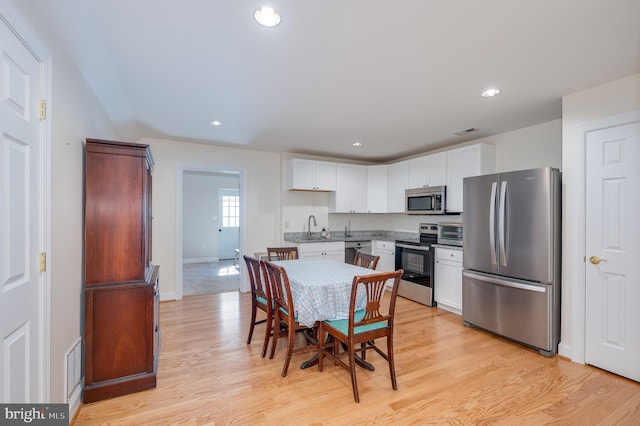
211,277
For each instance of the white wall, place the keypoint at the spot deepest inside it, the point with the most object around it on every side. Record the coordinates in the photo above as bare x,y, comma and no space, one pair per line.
262,173
529,147
616,97
201,210
75,114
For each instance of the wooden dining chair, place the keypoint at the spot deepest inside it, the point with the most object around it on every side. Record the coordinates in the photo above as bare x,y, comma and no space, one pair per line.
284,315
362,327
260,299
282,253
366,260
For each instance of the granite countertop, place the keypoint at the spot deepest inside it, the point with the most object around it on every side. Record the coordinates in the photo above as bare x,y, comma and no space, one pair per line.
391,236
447,246
301,237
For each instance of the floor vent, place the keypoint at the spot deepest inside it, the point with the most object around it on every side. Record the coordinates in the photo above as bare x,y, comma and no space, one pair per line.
74,369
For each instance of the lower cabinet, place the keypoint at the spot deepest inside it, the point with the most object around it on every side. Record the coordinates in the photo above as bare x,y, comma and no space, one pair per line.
386,251
329,250
448,279
121,338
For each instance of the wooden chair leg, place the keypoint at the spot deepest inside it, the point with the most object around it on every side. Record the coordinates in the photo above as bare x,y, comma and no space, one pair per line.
253,323
352,370
267,335
276,335
392,366
320,348
287,359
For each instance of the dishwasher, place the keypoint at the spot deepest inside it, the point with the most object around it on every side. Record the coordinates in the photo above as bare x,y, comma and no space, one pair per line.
351,248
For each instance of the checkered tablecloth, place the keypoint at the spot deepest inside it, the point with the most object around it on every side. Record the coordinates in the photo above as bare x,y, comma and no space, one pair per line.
321,288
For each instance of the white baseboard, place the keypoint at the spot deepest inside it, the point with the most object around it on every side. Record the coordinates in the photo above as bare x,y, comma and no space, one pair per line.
75,400
200,260
565,350
168,296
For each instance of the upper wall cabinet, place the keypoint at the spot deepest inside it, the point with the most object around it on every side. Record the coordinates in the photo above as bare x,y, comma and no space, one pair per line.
397,182
428,170
351,189
377,189
472,160
311,175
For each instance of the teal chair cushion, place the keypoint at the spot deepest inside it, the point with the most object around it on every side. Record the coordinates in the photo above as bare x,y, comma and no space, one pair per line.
261,300
286,312
342,325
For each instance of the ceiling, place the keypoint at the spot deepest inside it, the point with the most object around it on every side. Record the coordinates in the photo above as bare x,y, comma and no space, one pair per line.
398,76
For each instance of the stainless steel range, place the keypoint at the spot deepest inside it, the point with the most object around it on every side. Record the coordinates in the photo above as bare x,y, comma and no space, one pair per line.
416,258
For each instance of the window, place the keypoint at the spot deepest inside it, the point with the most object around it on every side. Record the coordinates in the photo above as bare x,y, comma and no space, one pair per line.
230,211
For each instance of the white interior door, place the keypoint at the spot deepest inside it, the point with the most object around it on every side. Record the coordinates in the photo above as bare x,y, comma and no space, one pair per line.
21,328
229,223
613,236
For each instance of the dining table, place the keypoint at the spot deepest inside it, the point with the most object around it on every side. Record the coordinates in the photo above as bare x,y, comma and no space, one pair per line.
321,290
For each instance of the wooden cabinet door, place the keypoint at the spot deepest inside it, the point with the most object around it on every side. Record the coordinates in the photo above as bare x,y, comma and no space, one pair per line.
115,208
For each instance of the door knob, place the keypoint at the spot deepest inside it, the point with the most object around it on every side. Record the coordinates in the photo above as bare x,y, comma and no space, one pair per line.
595,260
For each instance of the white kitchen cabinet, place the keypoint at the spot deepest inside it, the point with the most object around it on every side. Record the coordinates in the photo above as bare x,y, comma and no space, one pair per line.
351,189
428,170
397,183
387,253
472,160
377,189
448,279
329,250
311,175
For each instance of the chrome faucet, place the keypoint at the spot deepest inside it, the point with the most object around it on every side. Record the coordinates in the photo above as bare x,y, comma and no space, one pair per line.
309,225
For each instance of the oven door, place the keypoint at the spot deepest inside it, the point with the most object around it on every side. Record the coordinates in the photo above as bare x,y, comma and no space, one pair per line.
417,281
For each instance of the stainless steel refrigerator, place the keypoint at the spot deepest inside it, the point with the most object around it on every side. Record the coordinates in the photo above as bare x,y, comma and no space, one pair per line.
511,247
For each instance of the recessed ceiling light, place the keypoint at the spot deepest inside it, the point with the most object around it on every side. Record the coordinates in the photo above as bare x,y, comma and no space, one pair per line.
490,93
216,123
357,144
267,16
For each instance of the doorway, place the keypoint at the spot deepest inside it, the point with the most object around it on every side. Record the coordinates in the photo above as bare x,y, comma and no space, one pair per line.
207,263
605,229
613,249
24,214
228,224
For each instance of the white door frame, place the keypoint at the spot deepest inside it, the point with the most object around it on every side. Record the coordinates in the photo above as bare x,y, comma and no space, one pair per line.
181,168
575,221
14,19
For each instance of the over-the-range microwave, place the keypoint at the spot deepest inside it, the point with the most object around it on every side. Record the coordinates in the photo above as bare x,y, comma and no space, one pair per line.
428,200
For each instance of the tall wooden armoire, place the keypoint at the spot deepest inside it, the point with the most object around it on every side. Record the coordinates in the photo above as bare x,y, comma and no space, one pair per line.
120,283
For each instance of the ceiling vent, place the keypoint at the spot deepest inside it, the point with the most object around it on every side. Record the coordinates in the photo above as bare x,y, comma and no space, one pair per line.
466,131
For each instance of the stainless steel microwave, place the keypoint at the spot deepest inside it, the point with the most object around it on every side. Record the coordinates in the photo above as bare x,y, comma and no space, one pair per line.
428,200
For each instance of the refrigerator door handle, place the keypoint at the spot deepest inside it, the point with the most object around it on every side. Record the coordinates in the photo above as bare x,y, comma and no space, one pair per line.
528,287
501,218
492,220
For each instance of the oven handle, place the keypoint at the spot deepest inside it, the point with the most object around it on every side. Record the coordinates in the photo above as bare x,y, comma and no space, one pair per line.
407,246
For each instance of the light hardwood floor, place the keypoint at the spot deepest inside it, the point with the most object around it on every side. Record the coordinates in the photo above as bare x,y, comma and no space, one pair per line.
447,374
